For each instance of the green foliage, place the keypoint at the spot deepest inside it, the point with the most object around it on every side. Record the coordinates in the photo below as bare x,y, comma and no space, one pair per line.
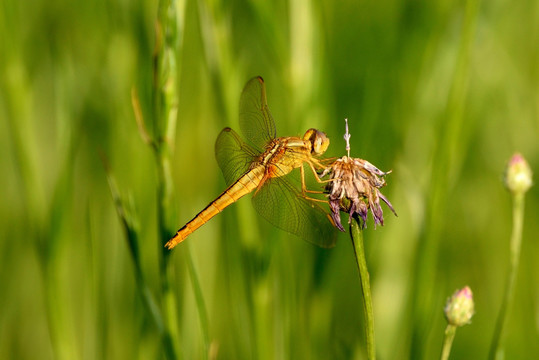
442,93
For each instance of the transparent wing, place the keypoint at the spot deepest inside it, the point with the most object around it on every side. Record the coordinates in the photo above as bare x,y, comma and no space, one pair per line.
283,206
233,155
256,122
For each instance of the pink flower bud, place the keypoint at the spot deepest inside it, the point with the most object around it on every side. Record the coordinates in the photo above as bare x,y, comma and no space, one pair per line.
518,175
459,308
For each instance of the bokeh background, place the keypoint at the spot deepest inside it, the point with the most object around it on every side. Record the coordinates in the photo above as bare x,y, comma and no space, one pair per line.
441,92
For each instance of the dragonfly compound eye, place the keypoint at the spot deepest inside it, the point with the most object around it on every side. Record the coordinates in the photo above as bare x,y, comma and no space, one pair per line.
318,139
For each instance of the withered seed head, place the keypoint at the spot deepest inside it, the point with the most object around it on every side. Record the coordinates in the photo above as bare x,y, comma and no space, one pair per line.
354,188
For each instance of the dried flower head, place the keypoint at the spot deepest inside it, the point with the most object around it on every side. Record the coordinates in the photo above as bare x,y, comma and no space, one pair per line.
354,188
459,308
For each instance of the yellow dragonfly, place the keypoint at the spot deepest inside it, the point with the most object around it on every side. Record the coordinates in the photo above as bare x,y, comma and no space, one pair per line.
264,166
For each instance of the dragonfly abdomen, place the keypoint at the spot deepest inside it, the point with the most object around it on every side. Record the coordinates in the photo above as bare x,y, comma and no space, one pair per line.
243,186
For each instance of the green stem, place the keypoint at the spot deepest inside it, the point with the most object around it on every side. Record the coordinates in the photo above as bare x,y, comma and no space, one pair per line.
128,220
356,234
169,328
166,73
164,123
155,313
450,332
164,210
516,241
129,224
201,305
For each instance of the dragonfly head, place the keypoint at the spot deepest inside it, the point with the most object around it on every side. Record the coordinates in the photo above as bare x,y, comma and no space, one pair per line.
318,139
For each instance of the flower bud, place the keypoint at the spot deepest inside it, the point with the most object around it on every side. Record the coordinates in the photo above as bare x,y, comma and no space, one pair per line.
518,175
459,308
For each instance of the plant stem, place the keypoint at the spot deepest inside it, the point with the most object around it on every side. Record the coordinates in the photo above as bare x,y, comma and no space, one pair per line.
356,234
201,304
171,16
450,332
516,241
129,224
164,123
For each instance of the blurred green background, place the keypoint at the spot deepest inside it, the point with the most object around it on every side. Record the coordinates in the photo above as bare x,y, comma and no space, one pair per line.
441,92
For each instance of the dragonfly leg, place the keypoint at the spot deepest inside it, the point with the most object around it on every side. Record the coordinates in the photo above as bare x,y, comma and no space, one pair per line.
304,187
313,191
327,161
316,176
313,199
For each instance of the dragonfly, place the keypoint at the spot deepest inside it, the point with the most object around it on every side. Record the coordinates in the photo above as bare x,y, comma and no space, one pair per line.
264,165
